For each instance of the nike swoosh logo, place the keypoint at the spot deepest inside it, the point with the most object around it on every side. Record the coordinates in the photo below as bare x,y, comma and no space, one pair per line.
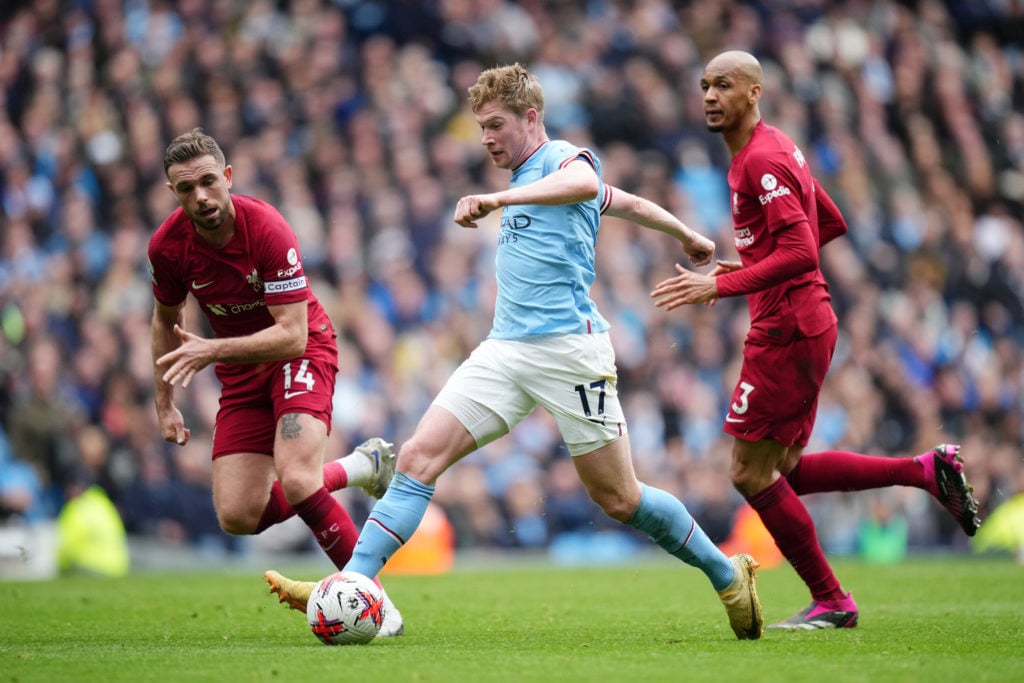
290,394
205,284
729,418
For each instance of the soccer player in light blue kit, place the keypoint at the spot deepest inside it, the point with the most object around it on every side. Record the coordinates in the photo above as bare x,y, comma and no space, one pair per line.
549,347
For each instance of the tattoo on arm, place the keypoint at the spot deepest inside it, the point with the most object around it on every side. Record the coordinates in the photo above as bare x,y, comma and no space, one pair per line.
290,426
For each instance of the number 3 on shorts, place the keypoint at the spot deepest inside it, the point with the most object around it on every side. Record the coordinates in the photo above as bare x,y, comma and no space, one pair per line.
742,405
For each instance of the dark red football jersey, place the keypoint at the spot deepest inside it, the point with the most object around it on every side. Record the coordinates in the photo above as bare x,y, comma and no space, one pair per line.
234,284
773,190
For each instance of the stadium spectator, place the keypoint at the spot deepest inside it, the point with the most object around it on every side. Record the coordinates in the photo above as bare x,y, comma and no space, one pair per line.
42,425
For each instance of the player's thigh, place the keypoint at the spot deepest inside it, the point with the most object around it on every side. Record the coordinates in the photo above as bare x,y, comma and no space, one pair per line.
241,488
299,448
441,438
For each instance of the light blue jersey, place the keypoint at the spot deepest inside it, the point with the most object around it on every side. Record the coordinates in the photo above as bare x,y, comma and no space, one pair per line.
545,260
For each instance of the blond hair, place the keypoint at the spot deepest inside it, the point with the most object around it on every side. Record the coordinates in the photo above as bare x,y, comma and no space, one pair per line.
512,85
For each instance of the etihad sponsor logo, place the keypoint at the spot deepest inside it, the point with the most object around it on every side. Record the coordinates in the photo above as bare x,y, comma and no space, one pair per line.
282,286
515,221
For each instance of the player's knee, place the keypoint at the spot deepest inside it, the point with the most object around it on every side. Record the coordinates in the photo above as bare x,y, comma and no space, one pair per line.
299,480
616,504
748,481
237,521
420,463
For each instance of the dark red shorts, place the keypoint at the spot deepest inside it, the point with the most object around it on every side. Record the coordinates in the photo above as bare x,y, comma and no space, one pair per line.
250,409
776,396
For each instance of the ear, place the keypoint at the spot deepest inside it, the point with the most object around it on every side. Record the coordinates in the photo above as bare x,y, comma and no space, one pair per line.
755,93
227,174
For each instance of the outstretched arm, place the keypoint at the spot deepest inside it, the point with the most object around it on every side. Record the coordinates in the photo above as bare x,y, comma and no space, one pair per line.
794,254
622,204
575,182
286,338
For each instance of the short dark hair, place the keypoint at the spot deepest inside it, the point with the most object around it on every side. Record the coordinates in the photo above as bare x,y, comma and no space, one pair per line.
190,145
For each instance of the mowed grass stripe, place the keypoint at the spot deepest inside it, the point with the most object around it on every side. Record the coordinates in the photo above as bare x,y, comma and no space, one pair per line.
941,619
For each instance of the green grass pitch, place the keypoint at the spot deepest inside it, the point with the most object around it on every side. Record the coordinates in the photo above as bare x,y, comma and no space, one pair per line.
939,619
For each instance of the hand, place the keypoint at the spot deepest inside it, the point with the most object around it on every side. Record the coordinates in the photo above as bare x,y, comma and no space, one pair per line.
685,288
472,208
725,267
700,249
172,425
181,364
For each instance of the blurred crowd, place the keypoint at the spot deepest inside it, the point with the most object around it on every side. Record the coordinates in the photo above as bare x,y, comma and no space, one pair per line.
350,117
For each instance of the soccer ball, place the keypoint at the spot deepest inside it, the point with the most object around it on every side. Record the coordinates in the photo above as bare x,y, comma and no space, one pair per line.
345,608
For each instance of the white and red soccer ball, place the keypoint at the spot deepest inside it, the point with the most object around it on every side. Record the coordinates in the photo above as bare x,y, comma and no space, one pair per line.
345,608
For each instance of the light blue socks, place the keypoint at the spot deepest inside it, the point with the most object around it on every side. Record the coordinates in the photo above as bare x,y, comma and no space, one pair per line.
392,521
667,522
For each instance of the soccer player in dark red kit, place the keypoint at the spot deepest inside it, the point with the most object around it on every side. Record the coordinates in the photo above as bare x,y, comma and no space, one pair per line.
275,352
782,217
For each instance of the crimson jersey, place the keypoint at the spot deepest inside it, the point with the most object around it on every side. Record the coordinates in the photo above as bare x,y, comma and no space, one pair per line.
775,212
260,266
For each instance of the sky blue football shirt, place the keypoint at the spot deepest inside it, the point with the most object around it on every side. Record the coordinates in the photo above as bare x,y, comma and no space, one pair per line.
545,257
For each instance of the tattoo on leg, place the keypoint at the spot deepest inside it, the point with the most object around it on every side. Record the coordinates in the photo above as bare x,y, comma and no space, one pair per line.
290,426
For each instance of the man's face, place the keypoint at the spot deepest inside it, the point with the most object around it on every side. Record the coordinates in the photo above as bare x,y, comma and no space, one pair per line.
203,188
728,97
507,138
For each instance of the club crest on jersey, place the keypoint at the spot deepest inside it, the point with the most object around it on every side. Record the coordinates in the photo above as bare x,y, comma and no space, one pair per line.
254,279
770,183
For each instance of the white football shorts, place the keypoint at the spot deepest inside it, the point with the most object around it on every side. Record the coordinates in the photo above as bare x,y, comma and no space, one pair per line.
572,376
